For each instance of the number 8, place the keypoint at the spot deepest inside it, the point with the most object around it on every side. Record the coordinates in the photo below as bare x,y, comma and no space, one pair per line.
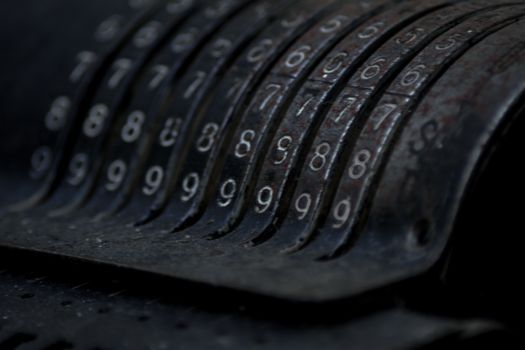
319,160
207,138
133,128
56,117
244,147
360,165
169,133
94,123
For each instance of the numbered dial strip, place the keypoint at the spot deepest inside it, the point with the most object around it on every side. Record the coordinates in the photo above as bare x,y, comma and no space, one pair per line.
238,83
320,165
306,102
306,174
196,38
149,173
136,118
291,142
82,76
294,63
98,125
265,110
201,72
374,141
236,88
264,203
197,86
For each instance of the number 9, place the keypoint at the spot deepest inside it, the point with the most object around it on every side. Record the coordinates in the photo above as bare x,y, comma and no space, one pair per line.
116,173
78,169
228,191
153,180
303,204
342,212
190,185
264,200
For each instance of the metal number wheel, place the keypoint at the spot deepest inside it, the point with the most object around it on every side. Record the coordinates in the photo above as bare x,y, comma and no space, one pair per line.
310,151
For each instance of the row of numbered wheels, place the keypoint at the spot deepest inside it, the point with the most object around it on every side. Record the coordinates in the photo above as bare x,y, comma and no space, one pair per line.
267,123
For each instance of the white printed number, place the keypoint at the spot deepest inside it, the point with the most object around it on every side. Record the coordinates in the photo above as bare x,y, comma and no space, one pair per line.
133,127
259,52
182,41
220,48
292,21
264,200
200,77
349,103
147,34
342,213
297,57
208,137
320,156
449,43
283,146
228,191
410,36
371,30
169,133
108,29
190,186
382,113
160,72
116,174
360,164
334,63
85,60
41,161
273,90
373,69
333,24
121,68
413,76
94,123
153,180
57,115
78,169
303,205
